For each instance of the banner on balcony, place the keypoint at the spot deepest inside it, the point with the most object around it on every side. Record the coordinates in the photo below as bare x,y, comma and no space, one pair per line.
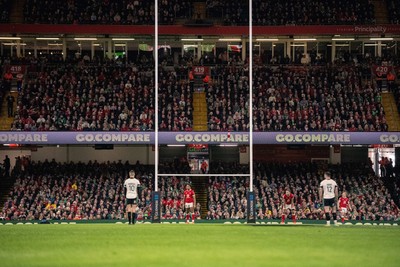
147,138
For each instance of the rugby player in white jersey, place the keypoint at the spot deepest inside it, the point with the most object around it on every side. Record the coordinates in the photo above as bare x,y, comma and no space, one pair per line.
132,187
328,194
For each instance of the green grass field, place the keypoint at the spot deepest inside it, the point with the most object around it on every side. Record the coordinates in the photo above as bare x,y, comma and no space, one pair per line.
198,245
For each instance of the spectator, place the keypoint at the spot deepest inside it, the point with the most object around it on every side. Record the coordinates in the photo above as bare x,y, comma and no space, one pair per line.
10,105
8,77
7,166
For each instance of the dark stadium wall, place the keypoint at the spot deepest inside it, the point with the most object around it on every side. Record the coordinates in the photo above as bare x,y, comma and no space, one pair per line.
217,153
354,154
143,154
335,154
286,153
168,154
224,154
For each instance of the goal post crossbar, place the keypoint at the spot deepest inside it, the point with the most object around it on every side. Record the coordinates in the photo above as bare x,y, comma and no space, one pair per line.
204,175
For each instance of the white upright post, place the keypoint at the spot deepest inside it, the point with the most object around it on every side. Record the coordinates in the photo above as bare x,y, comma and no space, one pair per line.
156,209
156,95
251,214
92,50
251,93
18,48
64,48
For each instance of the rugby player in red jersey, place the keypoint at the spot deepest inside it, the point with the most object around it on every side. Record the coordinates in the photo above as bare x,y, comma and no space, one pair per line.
288,206
189,199
343,206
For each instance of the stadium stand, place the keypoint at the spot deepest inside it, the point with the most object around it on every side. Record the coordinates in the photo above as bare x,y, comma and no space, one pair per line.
121,12
233,13
294,12
393,7
137,12
171,10
287,97
294,98
92,191
108,96
49,190
370,199
176,112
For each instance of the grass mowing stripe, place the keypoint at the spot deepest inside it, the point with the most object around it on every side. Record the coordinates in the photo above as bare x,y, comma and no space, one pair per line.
197,245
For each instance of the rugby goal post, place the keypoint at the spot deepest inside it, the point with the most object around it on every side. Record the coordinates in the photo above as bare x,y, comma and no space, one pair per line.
156,214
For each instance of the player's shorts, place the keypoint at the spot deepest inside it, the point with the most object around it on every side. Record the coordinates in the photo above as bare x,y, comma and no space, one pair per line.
188,205
329,202
288,207
131,201
344,210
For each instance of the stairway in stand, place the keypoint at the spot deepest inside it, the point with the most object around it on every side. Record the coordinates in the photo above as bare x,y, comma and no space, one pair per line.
389,183
5,121
392,114
381,12
200,188
199,111
17,11
5,186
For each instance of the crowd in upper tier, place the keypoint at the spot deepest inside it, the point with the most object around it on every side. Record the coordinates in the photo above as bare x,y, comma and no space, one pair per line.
94,191
119,96
294,12
120,12
393,7
107,96
231,13
288,98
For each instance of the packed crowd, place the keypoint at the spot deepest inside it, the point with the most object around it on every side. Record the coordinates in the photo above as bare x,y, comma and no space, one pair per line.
109,97
233,13
175,106
290,98
77,191
327,99
294,12
227,99
311,12
369,198
50,190
5,6
139,12
117,96
170,10
93,191
121,12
